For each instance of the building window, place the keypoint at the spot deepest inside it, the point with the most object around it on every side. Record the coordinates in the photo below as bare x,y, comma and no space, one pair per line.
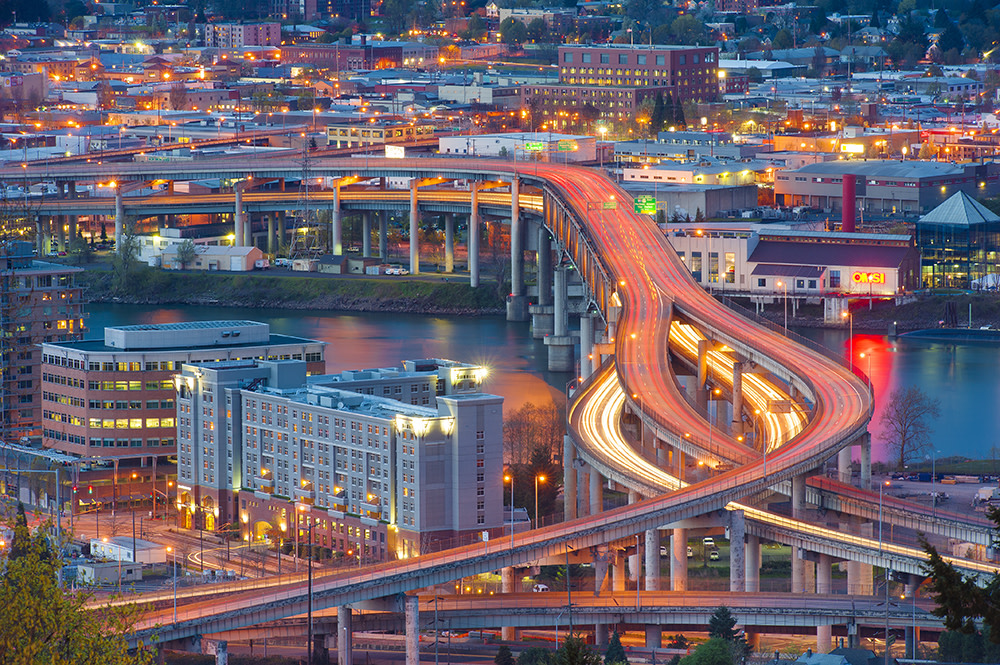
605,59
761,282
567,57
585,57
834,279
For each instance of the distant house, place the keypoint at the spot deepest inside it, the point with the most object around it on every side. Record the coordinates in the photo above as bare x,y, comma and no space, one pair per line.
215,258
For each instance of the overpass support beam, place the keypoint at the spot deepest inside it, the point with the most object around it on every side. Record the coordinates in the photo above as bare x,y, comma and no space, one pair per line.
798,570
412,618
345,632
517,302
449,242
73,228
678,560
798,496
281,230
119,216
634,560
560,344
383,235
542,313
507,578
601,635
824,574
473,232
61,232
39,236
569,478
238,227
752,564
596,492
654,636
844,465
414,229
824,637
583,486
866,462
336,226
366,233
272,244
651,551
586,345
737,550
618,572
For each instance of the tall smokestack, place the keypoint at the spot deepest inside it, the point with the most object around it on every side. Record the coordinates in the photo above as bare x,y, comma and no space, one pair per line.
850,202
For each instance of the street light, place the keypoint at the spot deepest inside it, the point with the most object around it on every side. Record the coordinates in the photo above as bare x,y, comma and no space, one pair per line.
603,130
538,478
850,339
868,375
785,286
510,478
880,488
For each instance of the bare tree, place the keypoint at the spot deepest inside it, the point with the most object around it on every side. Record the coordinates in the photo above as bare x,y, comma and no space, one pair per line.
906,420
178,96
533,428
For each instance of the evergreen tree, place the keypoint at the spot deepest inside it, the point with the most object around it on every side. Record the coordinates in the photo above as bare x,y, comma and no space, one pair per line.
679,120
659,114
575,651
504,656
22,536
535,656
669,113
615,654
714,652
722,624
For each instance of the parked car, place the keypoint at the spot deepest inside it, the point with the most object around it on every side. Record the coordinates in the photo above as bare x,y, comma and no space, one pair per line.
690,552
713,555
708,541
539,588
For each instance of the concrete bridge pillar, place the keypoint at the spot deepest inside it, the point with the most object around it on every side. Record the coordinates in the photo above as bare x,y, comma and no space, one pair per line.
560,344
798,570
651,550
366,233
238,227
61,232
414,229
119,216
634,560
507,581
602,564
596,492
544,262
798,496
449,242
601,635
824,637
654,636
517,302
752,564
39,236
866,462
618,572
701,392
912,583
809,576
737,550
586,345
412,618
824,574
281,231
221,653
336,225
844,465
569,478
678,560
272,244
74,231
473,241
383,235
345,632
737,424
583,489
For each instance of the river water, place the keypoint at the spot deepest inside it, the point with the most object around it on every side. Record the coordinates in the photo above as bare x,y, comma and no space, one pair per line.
965,378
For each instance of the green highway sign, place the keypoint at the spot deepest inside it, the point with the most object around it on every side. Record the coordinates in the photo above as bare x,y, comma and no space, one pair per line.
644,205
566,145
609,205
534,146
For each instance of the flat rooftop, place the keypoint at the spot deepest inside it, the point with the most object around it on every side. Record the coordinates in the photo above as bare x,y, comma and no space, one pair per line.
98,345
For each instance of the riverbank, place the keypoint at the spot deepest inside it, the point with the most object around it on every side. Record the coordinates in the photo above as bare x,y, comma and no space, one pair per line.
347,294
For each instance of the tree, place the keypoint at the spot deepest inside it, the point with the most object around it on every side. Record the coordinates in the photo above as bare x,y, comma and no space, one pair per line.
615,654
105,95
475,28
512,32
61,628
659,117
177,96
186,253
504,656
722,624
574,651
782,40
715,651
906,422
535,656
125,262
536,30
687,29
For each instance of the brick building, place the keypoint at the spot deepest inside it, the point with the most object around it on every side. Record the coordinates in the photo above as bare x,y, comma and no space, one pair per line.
238,35
114,397
616,78
39,302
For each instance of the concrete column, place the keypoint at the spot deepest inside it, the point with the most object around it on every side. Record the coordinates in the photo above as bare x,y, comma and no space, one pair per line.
752,564
507,633
272,245
569,478
652,556
678,560
449,242
798,570
844,465
238,229
560,344
561,294
737,425
824,636
345,631
336,226
473,241
701,393
545,267
366,233
600,635
281,230
61,232
414,229
583,485
517,304
39,236
618,572
586,345
654,636
798,496
73,229
866,462
809,576
412,630
383,235
222,653
596,492
634,560
602,564
737,551
119,216
824,574
912,582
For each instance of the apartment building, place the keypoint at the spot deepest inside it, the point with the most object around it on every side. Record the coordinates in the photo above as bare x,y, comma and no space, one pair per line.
238,35
114,397
616,78
383,460
39,302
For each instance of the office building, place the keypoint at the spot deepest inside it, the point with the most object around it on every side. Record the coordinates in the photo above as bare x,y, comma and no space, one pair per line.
114,397
385,461
616,78
39,302
959,244
238,35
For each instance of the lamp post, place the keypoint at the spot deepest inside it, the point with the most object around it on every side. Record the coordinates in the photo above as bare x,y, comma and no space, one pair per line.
510,478
881,486
604,131
850,338
784,285
538,479
868,374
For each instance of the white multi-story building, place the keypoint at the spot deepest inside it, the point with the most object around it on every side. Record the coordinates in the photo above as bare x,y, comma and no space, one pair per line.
382,460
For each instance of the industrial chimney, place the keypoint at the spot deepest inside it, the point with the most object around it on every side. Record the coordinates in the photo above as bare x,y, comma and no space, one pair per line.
849,200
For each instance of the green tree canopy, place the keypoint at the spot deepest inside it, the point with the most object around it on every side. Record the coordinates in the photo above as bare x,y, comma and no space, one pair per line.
715,651
615,655
503,656
512,32
574,651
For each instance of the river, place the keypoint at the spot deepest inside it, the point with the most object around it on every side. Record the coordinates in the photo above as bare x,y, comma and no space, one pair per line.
965,378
